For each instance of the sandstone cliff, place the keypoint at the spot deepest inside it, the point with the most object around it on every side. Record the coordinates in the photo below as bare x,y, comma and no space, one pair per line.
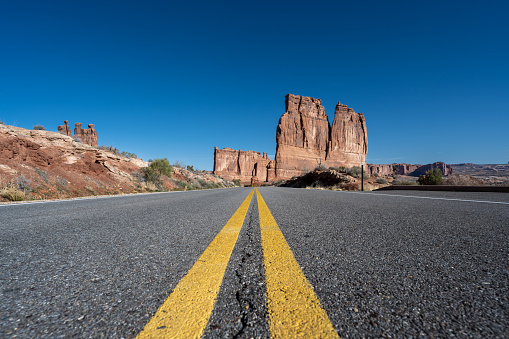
408,169
87,136
243,165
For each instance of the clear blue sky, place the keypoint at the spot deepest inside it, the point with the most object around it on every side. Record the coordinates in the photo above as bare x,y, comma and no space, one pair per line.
175,78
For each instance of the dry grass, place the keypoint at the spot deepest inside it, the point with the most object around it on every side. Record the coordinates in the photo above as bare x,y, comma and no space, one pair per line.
12,193
462,180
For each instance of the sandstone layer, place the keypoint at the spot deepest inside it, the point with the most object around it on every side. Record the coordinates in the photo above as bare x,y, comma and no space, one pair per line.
87,136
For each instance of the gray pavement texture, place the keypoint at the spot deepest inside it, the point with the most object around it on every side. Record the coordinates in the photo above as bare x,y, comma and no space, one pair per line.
390,264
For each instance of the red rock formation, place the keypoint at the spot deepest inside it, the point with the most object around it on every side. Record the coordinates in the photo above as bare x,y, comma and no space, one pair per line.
302,136
348,144
65,129
87,136
304,140
243,165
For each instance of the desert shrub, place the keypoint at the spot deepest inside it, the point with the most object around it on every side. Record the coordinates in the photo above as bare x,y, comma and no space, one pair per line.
39,127
42,174
356,172
181,184
381,181
152,173
1,122
462,180
432,177
12,193
352,186
23,183
404,182
111,149
138,176
190,168
321,167
236,182
128,155
340,169
62,181
179,164
150,186
76,139
376,175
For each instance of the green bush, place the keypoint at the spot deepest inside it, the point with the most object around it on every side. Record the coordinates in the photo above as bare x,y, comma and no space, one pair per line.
152,173
236,182
129,155
432,177
356,172
39,127
381,181
190,168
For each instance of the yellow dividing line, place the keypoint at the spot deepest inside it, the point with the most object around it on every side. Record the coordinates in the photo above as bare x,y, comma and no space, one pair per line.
188,308
294,309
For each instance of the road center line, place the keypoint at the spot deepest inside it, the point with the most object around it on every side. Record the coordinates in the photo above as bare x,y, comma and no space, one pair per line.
188,308
294,309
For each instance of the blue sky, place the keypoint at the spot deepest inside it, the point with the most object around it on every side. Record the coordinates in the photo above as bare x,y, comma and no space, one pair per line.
168,79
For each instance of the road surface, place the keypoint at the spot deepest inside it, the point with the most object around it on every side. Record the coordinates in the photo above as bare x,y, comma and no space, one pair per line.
318,263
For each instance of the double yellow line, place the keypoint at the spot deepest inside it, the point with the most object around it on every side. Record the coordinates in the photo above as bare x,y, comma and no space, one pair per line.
294,310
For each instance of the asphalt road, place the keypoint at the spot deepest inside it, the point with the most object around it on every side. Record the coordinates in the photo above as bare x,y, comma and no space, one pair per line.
390,264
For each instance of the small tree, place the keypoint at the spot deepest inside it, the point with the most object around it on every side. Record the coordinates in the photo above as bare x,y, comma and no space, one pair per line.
432,177
356,172
157,168
39,127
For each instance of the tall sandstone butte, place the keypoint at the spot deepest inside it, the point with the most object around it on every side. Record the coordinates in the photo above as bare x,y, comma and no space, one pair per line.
87,136
348,144
304,140
302,136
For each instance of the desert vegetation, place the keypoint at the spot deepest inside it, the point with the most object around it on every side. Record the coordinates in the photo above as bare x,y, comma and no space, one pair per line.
462,180
432,177
17,189
39,128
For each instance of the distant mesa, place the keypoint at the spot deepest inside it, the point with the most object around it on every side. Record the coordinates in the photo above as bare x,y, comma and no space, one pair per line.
408,169
304,140
87,136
